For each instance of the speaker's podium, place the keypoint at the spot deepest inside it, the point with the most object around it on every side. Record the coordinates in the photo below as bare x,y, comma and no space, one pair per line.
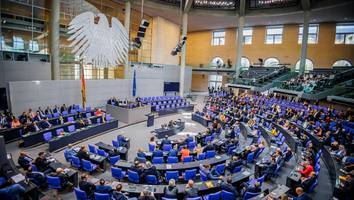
150,120
130,113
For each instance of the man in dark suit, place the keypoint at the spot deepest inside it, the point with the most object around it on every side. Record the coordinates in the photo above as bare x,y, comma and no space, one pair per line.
190,191
150,170
82,153
165,141
208,147
45,123
86,186
24,160
227,186
235,162
306,183
136,167
301,195
42,163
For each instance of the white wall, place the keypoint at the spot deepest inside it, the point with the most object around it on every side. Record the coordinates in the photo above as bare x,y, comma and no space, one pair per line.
32,94
23,71
165,35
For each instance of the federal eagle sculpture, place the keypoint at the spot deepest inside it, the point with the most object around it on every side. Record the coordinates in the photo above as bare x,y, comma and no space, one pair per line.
96,42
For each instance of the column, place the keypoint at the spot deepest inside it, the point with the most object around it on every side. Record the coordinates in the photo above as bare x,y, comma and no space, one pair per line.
127,27
241,23
54,39
183,56
305,34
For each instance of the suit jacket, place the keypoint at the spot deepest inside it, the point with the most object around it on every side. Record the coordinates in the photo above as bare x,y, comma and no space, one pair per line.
88,187
191,192
83,155
104,189
41,164
228,187
150,171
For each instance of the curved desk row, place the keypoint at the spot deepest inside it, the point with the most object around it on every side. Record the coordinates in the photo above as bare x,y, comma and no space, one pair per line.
34,138
162,132
180,166
13,134
202,187
201,119
89,131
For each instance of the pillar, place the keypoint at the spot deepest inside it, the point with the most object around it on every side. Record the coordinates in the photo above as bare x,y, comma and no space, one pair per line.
54,39
183,55
305,34
127,27
241,23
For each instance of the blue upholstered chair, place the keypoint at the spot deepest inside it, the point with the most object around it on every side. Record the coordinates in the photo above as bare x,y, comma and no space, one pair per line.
133,176
88,166
190,174
172,175
117,173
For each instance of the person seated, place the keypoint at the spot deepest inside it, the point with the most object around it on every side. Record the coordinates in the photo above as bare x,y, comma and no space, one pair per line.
255,188
82,153
119,195
150,170
103,188
48,111
307,169
184,152
174,151
81,124
15,122
227,186
208,147
24,160
198,150
210,172
137,167
153,142
345,189
37,177
146,195
13,192
170,124
98,113
235,162
63,108
306,183
190,190
42,163
171,191
188,139
340,153
86,186
33,127
140,153
64,178
165,141
300,195
245,153
45,123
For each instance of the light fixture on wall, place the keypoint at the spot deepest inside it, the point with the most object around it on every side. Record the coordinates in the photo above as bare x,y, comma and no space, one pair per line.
179,46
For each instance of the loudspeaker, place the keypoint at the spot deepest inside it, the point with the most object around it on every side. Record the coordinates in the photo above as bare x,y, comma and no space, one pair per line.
144,23
141,34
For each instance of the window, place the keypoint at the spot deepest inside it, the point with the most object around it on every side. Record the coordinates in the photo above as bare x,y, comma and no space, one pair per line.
215,81
33,46
247,36
18,43
274,35
217,62
308,65
271,62
218,38
313,34
342,63
344,34
245,63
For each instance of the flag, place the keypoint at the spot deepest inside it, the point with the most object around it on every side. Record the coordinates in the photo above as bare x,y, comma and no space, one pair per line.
134,84
83,86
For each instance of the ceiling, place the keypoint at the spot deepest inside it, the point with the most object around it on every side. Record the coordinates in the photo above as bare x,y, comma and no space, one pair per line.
208,19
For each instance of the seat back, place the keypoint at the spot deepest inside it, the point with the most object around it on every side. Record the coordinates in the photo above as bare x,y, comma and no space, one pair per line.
108,117
114,159
249,195
172,175
188,159
92,149
313,186
59,130
210,154
53,182
86,165
201,156
99,196
250,157
157,160
151,179
75,162
227,195
115,143
190,174
102,153
88,115
117,172
133,176
220,169
71,128
203,176
47,136
214,196
237,169
167,147
71,119
80,195
172,160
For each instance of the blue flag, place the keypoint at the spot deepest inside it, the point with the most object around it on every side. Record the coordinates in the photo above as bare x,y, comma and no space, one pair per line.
134,84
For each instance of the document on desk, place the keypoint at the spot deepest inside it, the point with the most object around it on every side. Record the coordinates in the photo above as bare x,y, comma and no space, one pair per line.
246,173
18,178
94,180
168,166
209,184
217,157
